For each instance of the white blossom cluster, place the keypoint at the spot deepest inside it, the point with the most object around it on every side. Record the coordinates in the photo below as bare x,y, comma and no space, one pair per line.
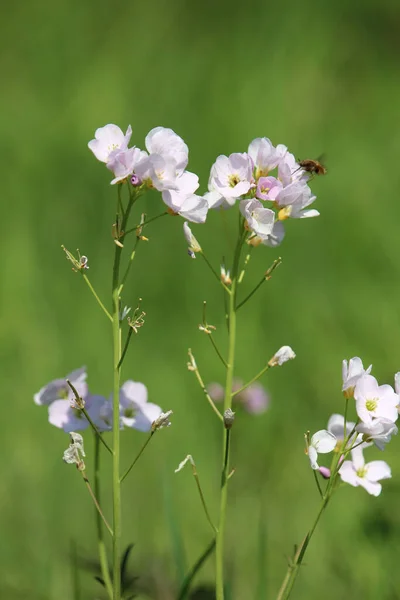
377,408
268,183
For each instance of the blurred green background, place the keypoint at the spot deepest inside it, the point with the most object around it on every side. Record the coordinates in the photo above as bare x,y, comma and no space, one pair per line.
318,77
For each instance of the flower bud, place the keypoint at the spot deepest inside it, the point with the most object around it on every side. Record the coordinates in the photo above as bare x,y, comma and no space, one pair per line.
229,417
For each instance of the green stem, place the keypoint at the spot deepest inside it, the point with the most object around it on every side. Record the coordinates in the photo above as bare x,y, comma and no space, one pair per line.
137,457
203,502
194,570
194,368
219,552
264,370
294,566
145,223
116,420
105,572
85,277
96,503
214,272
266,277
128,339
132,256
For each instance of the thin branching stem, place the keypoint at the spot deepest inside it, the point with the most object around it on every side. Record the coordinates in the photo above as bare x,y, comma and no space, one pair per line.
193,367
255,378
126,346
103,308
142,225
265,277
143,448
97,505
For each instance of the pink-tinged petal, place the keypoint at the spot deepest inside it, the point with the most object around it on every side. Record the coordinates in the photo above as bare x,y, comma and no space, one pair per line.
194,209
378,469
307,214
366,387
167,143
372,487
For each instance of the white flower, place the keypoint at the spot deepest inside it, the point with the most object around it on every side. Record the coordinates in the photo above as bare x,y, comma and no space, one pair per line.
135,411
161,172
166,143
380,431
184,201
108,139
322,442
75,451
336,427
123,163
264,155
259,219
352,372
357,473
294,199
193,244
58,389
275,237
397,383
66,417
215,200
373,400
232,176
283,355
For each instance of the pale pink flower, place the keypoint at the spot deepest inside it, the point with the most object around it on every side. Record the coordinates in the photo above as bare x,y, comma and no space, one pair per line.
108,139
373,400
58,389
357,473
232,176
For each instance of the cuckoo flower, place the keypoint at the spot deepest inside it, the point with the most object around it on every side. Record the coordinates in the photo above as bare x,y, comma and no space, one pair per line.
373,400
268,188
352,371
357,473
336,427
135,411
380,431
107,140
265,156
259,219
322,442
123,163
64,415
232,176
58,389
293,201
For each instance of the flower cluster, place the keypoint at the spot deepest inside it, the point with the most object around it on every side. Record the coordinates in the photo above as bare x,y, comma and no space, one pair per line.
68,414
377,408
266,199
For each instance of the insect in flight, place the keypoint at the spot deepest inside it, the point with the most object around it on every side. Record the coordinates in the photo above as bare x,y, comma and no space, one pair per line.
312,166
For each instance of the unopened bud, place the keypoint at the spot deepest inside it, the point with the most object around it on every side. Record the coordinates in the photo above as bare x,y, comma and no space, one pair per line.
225,276
284,213
229,417
194,245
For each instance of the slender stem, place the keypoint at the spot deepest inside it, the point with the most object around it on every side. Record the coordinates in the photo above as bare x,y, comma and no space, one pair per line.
219,553
137,457
196,476
214,345
116,437
317,483
294,566
266,277
214,272
97,505
124,351
96,431
80,406
132,256
194,368
207,329
263,370
85,277
145,223
105,572
194,570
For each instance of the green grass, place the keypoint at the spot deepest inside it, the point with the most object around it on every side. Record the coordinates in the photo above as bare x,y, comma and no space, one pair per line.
317,78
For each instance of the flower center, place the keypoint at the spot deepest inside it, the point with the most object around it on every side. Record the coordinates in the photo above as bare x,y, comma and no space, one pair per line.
129,413
63,393
233,179
371,404
361,472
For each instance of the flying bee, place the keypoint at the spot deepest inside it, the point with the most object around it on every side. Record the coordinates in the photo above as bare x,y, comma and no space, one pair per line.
312,166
